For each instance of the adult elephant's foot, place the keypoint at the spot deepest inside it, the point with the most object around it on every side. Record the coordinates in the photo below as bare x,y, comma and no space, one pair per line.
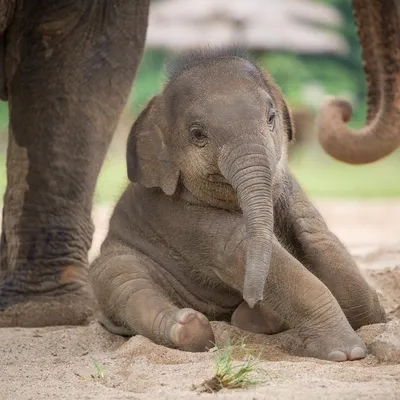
191,331
63,298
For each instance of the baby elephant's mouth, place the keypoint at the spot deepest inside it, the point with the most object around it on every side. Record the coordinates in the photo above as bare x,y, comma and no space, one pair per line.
217,178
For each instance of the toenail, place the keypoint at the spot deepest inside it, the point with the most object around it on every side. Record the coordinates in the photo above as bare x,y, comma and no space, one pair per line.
203,320
337,356
357,353
184,316
178,333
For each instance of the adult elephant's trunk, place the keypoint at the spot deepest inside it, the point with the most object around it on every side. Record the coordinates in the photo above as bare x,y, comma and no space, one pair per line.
250,174
378,26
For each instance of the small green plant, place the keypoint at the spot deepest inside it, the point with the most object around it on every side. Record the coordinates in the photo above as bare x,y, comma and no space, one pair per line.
99,370
230,374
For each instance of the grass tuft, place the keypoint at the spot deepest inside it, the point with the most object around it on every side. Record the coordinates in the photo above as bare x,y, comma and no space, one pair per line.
99,370
230,374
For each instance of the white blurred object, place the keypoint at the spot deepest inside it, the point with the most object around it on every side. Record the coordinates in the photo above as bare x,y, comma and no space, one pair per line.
296,25
314,94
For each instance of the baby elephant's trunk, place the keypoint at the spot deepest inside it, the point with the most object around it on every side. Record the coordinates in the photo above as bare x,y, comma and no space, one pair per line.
250,174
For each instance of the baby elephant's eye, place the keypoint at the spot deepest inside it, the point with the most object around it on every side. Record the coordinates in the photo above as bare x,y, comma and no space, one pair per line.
198,135
271,117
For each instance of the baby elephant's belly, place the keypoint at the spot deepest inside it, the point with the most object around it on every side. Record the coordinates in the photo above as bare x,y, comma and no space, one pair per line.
202,291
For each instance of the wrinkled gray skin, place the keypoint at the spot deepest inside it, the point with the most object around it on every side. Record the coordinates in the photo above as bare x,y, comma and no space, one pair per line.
66,69
207,161
378,29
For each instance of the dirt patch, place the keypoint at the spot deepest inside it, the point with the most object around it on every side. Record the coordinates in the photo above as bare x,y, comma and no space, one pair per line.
90,363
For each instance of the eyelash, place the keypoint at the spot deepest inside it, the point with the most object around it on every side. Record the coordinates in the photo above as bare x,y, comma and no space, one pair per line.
271,116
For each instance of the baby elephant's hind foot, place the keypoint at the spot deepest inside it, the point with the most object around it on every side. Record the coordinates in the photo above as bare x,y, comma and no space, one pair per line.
191,331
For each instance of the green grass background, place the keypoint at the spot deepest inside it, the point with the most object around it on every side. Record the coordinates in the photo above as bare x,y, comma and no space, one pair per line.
319,174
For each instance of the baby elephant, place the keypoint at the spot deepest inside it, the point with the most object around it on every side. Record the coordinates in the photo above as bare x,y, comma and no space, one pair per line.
214,227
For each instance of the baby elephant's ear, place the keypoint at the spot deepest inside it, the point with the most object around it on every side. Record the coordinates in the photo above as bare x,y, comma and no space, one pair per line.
288,120
148,158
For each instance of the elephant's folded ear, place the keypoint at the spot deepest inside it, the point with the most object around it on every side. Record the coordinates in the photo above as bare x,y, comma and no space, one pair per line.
288,120
148,158
276,93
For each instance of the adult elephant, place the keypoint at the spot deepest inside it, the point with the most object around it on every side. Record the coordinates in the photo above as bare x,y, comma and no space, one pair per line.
67,72
68,69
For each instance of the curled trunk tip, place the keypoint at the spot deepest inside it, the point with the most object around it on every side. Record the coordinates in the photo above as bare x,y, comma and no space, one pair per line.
378,30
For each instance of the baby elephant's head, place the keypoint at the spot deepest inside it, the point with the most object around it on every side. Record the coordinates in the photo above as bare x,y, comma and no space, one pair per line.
219,130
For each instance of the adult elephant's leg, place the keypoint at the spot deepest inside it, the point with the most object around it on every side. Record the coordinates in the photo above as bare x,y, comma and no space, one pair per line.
70,66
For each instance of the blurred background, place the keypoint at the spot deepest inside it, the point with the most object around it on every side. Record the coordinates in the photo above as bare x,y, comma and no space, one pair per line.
311,49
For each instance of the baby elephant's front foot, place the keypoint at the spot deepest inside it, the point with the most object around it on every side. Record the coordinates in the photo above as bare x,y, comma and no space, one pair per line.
348,354
191,331
336,343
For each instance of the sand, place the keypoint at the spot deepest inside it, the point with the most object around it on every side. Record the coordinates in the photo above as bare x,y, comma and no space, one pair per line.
59,362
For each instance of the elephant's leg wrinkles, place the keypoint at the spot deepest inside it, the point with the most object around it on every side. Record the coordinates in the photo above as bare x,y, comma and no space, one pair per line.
136,303
303,304
69,69
326,257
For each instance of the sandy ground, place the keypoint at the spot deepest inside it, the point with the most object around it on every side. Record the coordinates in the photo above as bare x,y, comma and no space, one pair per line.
58,363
